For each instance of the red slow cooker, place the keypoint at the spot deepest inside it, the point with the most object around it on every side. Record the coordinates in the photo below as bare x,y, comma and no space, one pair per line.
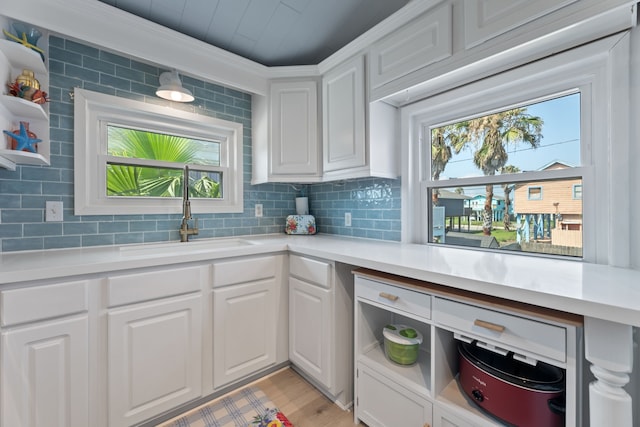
513,391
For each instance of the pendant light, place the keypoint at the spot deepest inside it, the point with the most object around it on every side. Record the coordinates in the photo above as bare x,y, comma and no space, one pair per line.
171,88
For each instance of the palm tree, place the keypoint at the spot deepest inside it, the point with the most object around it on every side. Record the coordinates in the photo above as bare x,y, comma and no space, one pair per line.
440,156
491,135
507,188
127,180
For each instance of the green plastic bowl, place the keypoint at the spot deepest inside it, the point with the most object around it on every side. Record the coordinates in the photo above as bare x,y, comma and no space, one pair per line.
401,344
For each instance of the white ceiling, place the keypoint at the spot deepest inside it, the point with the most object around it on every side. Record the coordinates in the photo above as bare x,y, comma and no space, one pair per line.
270,32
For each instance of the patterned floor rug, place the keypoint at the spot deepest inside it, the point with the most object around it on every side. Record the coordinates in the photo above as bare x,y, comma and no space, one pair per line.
248,407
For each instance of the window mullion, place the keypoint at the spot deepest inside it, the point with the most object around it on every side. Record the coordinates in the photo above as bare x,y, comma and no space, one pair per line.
140,162
576,172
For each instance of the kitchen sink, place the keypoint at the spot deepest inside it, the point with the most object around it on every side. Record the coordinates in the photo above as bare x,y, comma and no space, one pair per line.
181,247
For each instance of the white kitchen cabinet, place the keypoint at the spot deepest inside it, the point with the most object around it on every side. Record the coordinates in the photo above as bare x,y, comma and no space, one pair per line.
429,388
310,320
457,42
359,140
444,418
320,324
44,368
249,317
383,402
421,42
286,148
485,19
343,108
14,58
154,342
409,387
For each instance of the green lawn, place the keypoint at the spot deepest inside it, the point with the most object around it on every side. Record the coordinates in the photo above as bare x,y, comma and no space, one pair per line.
501,236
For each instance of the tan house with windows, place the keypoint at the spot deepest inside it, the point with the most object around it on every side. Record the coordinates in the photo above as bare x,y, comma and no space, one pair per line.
559,199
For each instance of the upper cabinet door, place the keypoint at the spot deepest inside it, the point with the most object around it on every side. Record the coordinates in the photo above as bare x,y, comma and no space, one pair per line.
485,19
426,40
344,116
294,129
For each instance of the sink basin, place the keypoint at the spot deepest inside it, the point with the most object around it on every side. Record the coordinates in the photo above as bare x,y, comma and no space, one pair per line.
181,247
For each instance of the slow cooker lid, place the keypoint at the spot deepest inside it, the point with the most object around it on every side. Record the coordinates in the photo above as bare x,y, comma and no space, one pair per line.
543,376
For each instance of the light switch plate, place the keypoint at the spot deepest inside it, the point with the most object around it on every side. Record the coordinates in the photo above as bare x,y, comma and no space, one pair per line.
258,210
53,211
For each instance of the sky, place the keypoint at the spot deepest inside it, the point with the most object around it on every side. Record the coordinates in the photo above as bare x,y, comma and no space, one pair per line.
561,140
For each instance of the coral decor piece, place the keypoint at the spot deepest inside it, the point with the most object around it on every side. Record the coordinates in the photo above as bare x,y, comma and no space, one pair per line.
24,140
20,90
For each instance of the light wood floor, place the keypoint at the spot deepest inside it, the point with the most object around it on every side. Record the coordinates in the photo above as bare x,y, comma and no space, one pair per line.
302,403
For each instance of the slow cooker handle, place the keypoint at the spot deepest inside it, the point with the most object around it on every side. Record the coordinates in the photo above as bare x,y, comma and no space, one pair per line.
557,405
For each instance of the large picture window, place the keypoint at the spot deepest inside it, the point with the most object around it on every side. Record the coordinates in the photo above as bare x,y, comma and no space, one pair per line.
518,161
131,158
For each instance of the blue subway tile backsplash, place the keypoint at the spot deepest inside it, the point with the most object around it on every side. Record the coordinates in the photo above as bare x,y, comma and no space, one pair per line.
373,203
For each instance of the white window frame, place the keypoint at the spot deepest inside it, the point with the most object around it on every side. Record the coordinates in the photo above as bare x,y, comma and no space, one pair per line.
600,71
94,111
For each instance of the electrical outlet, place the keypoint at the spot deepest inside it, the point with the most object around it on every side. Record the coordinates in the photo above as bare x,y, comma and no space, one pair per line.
347,219
258,210
53,211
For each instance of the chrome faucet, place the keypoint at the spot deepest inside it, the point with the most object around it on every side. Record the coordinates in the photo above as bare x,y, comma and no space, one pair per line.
185,231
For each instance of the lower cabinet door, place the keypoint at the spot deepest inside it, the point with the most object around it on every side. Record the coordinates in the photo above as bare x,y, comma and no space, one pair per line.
310,343
45,374
154,358
383,403
244,330
442,418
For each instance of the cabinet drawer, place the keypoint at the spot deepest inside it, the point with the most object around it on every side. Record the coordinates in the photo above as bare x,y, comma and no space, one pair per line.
243,270
310,270
403,300
131,288
43,302
382,402
486,19
424,41
500,328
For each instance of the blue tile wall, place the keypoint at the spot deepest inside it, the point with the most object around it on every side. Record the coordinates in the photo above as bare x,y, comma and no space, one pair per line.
373,203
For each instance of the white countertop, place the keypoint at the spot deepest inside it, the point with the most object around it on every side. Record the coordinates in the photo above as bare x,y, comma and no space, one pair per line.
598,291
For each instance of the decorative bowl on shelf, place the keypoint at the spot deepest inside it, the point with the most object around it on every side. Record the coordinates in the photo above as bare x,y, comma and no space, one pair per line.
27,35
27,31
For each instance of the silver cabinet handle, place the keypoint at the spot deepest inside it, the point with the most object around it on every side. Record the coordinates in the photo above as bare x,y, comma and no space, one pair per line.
390,297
